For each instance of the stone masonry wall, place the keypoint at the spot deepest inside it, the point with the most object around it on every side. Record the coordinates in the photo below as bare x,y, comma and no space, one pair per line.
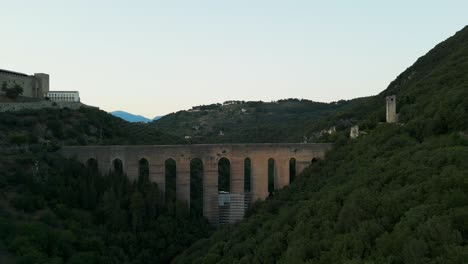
5,107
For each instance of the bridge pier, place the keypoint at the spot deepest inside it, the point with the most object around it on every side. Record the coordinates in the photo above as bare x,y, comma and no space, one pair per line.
131,168
104,167
259,178
237,175
237,203
210,191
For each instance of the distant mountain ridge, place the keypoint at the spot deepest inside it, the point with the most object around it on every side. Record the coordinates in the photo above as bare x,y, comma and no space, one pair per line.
132,117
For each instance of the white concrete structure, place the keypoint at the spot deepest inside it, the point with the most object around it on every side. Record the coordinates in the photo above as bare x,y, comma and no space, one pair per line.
64,96
354,133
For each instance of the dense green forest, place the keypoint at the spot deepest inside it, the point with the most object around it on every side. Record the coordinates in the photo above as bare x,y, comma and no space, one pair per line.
86,126
54,210
61,211
386,198
398,194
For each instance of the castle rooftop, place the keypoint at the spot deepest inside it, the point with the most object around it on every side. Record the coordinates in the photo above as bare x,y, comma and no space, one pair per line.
12,72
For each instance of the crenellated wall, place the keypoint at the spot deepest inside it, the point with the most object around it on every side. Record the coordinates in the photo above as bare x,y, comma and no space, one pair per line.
209,154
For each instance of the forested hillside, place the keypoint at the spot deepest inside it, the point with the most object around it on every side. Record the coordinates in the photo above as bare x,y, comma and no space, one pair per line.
86,126
54,210
428,92
249,122
60,211
396,195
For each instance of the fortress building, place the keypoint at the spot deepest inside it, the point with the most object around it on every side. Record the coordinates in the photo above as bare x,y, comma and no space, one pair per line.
36,86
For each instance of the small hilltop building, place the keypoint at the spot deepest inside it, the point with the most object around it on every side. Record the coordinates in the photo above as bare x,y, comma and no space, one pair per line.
63,96
36,86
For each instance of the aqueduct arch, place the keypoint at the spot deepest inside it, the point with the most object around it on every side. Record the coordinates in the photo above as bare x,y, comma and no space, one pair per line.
240,156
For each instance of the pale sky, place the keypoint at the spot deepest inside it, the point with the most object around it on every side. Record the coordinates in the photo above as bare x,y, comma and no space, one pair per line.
156,57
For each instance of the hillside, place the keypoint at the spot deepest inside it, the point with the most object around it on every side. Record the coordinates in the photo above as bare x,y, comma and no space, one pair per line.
432,90
54,210
395,195
248,122
86,126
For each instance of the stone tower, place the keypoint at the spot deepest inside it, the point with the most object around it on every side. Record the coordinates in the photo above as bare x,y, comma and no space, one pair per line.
392,116
41,85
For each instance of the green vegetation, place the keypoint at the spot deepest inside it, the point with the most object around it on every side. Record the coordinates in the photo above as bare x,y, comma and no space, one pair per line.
64,212
54,210
87,126
247,122
431,94
395,195
385,198
12,92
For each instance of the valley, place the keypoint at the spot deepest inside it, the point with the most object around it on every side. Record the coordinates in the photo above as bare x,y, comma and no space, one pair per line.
396,193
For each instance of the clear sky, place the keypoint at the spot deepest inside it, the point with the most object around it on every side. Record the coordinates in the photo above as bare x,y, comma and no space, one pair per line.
157,57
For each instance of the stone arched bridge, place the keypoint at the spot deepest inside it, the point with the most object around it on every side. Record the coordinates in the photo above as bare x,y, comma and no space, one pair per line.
217,206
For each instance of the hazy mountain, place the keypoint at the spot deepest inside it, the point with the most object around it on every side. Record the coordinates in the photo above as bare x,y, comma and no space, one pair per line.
130,117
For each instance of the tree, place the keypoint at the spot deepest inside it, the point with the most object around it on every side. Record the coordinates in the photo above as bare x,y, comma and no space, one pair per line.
137,208
13,92
109,211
